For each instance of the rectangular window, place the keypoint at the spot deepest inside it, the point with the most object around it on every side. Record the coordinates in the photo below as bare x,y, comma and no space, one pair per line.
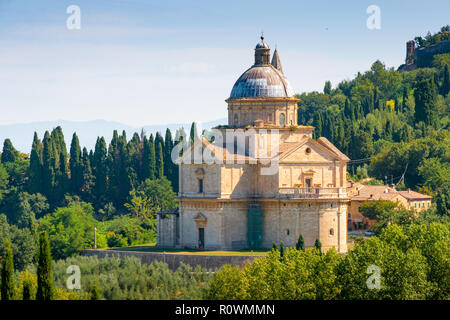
200,185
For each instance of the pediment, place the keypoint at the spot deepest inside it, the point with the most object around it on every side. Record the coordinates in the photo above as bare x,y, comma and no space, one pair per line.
309,151
200,217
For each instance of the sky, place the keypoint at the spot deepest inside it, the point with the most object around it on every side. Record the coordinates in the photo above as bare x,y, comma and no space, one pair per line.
157,62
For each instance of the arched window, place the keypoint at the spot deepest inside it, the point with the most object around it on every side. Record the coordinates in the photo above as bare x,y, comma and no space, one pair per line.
331,232
236,120
282,119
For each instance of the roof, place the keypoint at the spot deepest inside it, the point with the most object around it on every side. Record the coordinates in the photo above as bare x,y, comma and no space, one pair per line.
226,153
325,142
365,192
261,81
375,193
262,45
413,195
288,148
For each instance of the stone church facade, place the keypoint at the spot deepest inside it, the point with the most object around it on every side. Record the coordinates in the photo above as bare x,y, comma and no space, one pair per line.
260,179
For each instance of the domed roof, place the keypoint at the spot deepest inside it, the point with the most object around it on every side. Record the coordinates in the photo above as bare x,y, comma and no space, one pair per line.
261,81
262,45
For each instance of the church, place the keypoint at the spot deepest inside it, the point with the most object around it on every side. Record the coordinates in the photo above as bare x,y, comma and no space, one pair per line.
260,179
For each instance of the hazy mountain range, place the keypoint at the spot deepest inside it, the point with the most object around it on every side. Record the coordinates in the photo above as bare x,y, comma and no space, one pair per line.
21,134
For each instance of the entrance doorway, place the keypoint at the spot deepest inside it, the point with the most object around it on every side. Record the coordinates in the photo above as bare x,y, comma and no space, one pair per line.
308,185
201,237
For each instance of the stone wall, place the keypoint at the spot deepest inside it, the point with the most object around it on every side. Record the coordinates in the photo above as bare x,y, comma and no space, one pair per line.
210,262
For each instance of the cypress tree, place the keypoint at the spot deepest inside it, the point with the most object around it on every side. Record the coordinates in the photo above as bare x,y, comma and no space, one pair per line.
88,179
318,123
59,146
125,174
425,98
169,166
327,88
48,169
282,249
274,246
75,166
347,110
112,162
35,169
100,168
159,160
148,159
445,88
9,154
44,269
318,245
442,204
404,99
135,155
193,133
300,245
63,176
7,273
27,287
152,157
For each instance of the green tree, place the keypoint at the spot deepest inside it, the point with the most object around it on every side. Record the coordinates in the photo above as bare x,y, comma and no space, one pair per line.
87,176
300,245
9,154
100,168
3,182
443,203
7,273
445,88
140,205
44,269
148,159
327,88
29,285
75,165
193,135
70,229
282,249
160,194
159,163
373,210
318,245
425,100
94,293
35,169
274,246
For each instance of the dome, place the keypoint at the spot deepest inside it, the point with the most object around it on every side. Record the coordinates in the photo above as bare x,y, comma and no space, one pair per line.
262,45
262,81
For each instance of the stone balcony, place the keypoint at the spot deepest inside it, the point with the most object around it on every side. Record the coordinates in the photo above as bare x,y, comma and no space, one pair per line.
283,193
311,193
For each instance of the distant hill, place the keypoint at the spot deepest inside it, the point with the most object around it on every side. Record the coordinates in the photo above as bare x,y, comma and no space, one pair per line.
21,134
